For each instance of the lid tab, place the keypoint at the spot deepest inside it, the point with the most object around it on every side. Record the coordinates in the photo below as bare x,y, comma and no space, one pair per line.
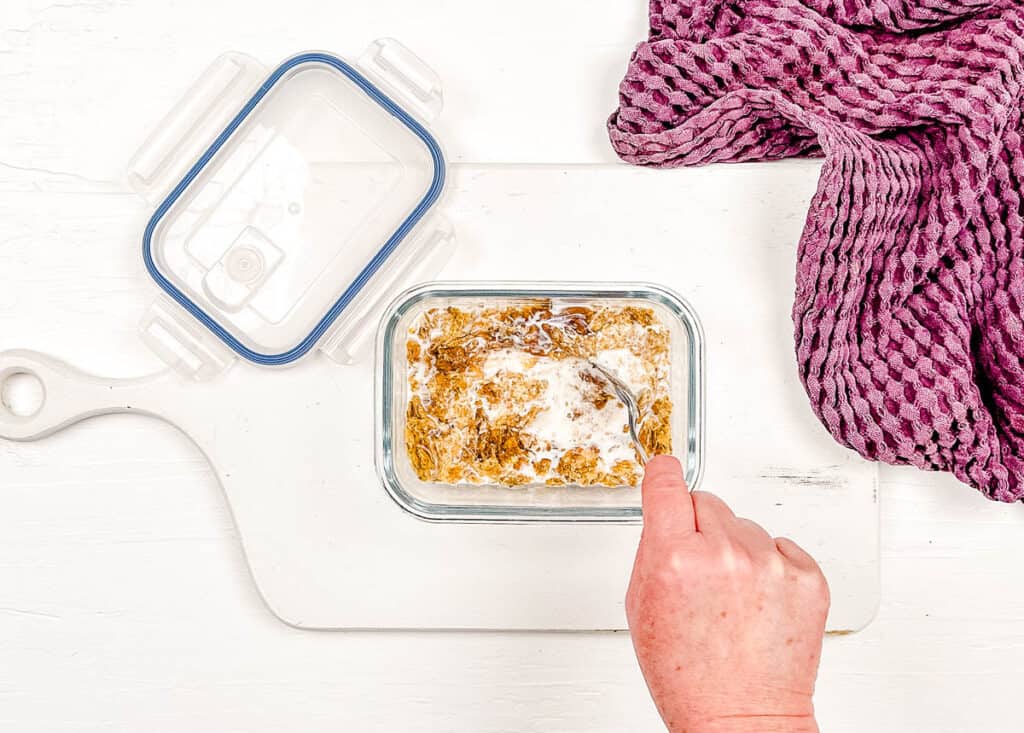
398,70
206,109
191,351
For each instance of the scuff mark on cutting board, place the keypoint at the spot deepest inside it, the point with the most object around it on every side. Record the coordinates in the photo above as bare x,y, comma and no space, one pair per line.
828,477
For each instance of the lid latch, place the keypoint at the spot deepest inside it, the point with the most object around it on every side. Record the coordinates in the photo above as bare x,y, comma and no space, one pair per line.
399,71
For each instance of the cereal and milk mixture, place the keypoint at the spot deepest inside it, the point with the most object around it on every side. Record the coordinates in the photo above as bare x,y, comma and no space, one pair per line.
507,395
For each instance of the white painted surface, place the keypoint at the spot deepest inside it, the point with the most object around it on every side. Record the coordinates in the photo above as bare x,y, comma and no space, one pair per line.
124,599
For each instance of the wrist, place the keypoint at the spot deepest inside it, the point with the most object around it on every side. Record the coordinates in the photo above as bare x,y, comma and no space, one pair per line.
757,724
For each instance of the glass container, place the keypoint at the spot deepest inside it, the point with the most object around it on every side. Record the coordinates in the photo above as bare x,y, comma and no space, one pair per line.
537,502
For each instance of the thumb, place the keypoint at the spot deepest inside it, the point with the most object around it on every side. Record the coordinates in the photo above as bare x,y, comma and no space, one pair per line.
667,506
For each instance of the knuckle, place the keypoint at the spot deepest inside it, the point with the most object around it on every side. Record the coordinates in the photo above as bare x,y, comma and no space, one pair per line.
815,585
748,525
773,564
734,560
671,571
663,482
792,550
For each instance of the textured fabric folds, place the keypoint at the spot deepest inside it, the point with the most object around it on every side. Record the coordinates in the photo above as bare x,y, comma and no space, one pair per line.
910,277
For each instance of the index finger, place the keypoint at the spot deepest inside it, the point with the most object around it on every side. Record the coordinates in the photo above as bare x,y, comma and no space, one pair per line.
667,505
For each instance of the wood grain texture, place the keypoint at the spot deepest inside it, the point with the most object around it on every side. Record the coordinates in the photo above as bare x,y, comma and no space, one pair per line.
124,599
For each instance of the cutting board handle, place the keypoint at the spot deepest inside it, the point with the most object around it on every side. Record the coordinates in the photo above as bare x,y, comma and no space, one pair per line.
62,395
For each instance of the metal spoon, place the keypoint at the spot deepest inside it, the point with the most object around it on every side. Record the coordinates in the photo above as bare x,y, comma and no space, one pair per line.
625,394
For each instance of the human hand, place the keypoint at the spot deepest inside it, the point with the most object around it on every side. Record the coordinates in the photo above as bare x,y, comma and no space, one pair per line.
727,622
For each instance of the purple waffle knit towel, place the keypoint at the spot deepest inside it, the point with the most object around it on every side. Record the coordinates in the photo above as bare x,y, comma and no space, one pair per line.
910,279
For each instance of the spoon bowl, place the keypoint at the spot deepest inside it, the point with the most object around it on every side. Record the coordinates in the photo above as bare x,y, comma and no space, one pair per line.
626,396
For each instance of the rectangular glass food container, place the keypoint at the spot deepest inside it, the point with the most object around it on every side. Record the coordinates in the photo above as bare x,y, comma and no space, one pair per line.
532,503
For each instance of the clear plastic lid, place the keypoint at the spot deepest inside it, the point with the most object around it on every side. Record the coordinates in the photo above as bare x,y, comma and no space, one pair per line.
293,207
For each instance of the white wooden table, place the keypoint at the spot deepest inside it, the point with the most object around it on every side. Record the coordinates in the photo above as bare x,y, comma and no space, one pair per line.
125,603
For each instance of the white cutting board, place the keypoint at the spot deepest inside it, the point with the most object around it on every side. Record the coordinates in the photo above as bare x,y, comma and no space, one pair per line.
293,448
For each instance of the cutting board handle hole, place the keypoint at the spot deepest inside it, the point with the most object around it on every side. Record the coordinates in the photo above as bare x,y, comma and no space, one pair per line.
22,394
